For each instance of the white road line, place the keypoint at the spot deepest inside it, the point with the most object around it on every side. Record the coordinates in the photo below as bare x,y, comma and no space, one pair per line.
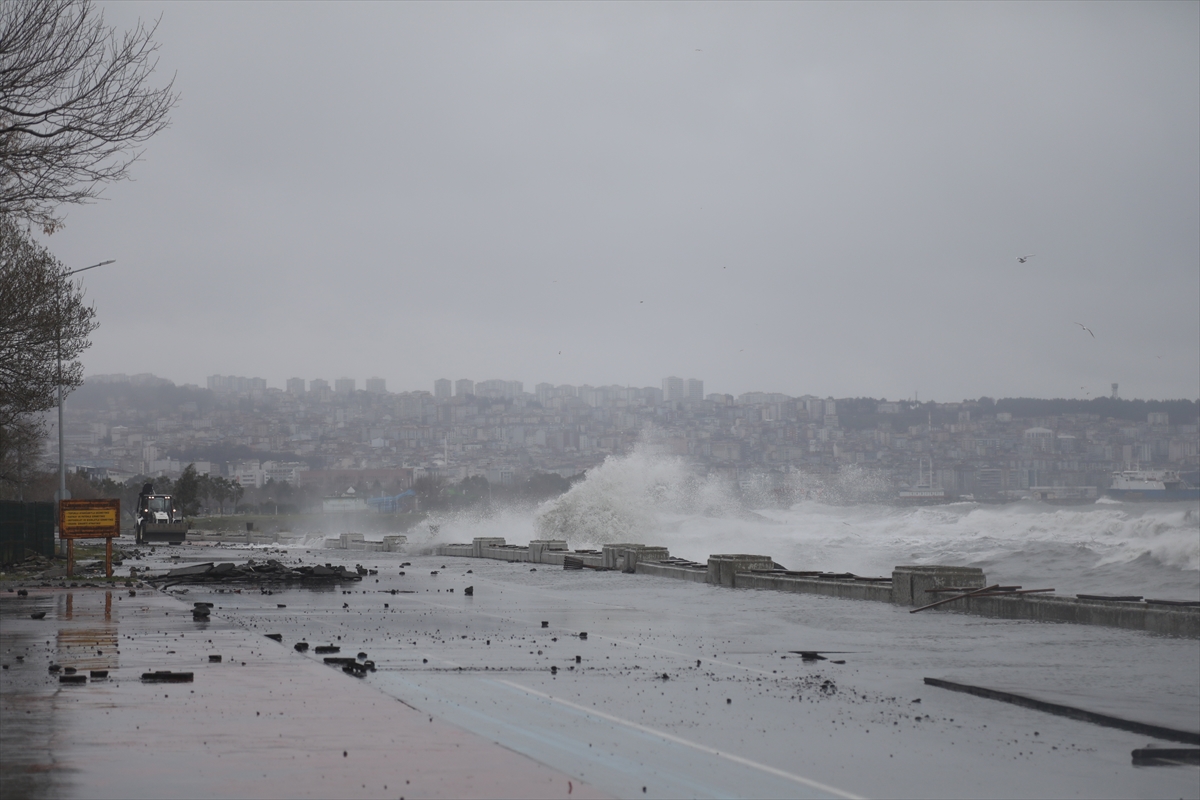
779,773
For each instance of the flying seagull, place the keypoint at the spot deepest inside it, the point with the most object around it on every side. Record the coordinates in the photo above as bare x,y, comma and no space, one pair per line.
1086,328
1023,259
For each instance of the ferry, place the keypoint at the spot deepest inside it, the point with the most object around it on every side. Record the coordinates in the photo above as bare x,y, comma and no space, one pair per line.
1151,485
1064,495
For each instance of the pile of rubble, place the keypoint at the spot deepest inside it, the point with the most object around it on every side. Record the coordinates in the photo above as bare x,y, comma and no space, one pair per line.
270,571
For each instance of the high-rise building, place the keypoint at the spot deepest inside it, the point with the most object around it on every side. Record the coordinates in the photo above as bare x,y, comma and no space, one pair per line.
672,388
295,387
695,390
513,389
317,384
376,386
493,388
464,387
441,388
344,386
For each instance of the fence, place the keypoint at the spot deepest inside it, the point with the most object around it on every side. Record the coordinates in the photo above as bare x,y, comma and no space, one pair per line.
25,528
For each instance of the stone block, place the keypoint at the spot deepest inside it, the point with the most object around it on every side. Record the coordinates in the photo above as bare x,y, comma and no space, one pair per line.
481,543
909,584
723,568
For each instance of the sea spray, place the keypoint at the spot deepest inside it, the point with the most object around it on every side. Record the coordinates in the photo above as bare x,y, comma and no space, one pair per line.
623,499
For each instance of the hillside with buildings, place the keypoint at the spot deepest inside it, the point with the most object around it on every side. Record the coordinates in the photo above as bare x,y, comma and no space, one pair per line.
327,438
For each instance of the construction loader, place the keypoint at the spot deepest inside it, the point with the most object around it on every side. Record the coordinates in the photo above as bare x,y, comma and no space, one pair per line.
158,519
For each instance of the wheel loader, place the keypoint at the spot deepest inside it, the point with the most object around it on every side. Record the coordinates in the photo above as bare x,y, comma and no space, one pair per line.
158,519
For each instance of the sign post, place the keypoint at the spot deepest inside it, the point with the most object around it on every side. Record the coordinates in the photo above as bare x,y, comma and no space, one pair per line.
89,519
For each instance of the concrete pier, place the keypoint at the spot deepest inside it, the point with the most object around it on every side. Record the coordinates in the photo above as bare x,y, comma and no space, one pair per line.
910,585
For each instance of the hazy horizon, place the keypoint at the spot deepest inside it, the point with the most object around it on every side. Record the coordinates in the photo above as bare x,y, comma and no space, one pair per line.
795,198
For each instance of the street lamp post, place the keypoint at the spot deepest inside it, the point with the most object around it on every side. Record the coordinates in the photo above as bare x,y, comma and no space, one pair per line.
62,462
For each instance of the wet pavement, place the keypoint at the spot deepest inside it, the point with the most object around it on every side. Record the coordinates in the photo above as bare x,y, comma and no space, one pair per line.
678,690
263,722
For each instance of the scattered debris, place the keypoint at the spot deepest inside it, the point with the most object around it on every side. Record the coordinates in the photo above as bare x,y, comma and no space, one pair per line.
1146,729
276,636
972,593
167,676
270,571
1165,757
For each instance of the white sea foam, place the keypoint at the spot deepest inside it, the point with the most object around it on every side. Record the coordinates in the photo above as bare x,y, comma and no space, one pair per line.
1120,548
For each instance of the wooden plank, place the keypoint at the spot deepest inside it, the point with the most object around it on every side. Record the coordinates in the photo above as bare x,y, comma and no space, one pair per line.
991,588
1142,728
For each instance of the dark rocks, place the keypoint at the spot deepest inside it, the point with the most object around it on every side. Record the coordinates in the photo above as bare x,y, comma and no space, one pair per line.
553,670
72,678
276,636
214,659
469,591
578,659
38,615
327,648
301,647
98,673
545,623
583,635
55,668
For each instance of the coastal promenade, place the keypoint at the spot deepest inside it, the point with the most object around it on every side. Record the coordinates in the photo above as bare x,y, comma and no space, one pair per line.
544,681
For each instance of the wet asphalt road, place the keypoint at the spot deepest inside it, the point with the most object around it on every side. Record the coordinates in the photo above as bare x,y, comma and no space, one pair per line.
689,690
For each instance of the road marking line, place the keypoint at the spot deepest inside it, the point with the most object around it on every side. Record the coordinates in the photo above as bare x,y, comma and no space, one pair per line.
779,773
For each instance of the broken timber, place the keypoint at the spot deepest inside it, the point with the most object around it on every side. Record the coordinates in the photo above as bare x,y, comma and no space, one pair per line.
1143,728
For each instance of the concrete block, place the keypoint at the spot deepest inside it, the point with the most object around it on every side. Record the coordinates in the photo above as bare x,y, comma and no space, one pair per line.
479,543
349,540
909,584
653,553
395,543
613,555
538,548
723,567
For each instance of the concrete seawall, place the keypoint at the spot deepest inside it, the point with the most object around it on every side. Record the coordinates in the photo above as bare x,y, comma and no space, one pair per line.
914,586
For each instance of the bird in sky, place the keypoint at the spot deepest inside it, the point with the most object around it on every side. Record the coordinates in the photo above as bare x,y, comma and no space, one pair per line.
1086,328
1023,259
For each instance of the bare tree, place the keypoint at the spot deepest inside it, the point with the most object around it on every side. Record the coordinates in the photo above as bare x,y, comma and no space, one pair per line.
42,319
75,103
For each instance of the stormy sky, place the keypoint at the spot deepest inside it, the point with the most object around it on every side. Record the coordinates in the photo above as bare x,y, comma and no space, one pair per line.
804,198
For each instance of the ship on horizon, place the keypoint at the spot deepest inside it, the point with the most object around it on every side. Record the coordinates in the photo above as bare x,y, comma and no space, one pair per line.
1141,485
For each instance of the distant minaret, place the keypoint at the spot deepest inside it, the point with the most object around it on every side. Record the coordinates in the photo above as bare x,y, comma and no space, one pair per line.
1114,394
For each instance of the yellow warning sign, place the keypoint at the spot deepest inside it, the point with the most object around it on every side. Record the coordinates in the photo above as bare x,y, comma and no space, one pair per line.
89,519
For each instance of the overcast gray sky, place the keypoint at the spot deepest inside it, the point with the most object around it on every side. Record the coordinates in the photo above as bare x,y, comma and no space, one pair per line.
805,198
